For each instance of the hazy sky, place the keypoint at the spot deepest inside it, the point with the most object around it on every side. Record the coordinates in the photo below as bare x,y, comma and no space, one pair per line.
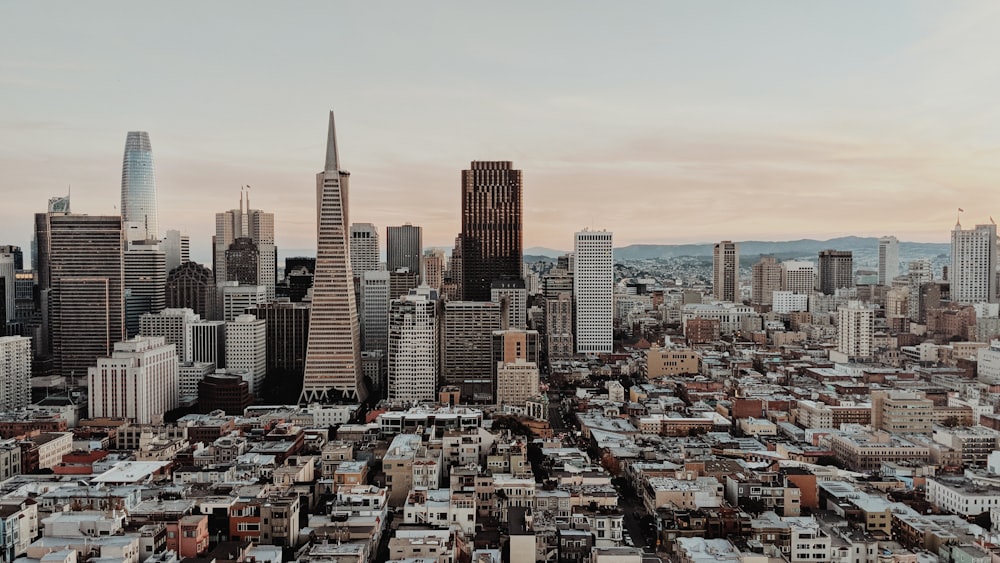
662,121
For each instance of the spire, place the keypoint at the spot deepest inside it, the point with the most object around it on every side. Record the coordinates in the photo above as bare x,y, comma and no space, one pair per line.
332,158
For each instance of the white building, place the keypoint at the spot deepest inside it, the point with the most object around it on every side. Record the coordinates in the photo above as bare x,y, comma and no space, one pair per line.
15,372
236,298
172,325
855,330
973,264
139,381
798,276
513,297
190,375
364,248
789,302
413,348
961,496
246,349
593,288
988,366
888,260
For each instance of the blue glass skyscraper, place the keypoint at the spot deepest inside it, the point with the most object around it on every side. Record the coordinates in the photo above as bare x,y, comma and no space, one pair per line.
139,188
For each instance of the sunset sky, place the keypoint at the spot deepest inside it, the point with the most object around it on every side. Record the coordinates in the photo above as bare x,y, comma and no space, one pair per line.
666,122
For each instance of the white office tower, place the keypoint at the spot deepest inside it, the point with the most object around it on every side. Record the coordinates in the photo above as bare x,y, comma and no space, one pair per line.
15,372
513,299
206,342
235,299
375,310
177,248
364,248
973,264
8,273
413,348
888,260
140,381
255,225
856,330
919,272
798,276
172,325
784,302
246,349
145,283
593,288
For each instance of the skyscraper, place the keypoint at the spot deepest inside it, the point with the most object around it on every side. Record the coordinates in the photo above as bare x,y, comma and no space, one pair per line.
593,289
81,277
855,329
255,225
888,260
364,248
765,280
432,268
413,347
333,354
246,349
492,245
139,188
466,347
145,283
140,381
8,277
177,247
403,248
836,270
375,309
798,276
192,285
726,271
15,372
974,264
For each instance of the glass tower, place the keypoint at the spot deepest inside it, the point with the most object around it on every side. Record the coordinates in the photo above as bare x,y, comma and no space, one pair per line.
139,188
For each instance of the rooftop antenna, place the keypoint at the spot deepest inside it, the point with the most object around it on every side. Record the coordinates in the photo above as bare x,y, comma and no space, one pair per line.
241,200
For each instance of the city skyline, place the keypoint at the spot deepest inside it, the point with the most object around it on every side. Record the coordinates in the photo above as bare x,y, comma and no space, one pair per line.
745,126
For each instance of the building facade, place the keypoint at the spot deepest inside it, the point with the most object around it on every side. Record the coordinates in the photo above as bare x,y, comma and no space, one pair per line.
139,209
413,348
973,264
491,239
726,271
140,381
593,290
404,246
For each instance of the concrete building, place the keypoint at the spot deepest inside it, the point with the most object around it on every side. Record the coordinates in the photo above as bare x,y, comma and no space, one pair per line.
559,325
172,325
177,248
513,299
516,383
287,333
192,286
466,347
206,342
902,412
798,276
856,330
836,270
235,299
973,264
375,311
671,361
365,253
252,224
140,381
432,269
783,302
726,271
593,290
888,260
765,280
404,246
190,375
412,360
15,372
246,349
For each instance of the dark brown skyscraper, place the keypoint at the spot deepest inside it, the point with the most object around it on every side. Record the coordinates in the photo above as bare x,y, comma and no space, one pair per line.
192,286
492,246
836,270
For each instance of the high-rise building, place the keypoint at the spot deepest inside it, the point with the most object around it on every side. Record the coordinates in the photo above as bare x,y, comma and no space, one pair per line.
246,349
413,347
404,246
16,252
15,372
235,299
145,283
299,273
919,272
364,248
492,240
243,262
191,375
513,299
515,366
452,288
726,271
8,278
139,189
207,342
139,382
856,330
81,277
798,276
172,325
593,290
375,310
287,331
177,248
765,280
888,260
401,281
836,270
432,268
974,264
333,356
255,225
559,326
466,349
192,286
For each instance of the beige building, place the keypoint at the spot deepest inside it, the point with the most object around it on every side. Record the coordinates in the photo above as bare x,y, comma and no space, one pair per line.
671,361
408,463
866,452
516,382
902,412
765,280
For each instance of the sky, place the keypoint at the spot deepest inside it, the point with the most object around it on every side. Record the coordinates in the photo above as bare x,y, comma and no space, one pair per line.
665,122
